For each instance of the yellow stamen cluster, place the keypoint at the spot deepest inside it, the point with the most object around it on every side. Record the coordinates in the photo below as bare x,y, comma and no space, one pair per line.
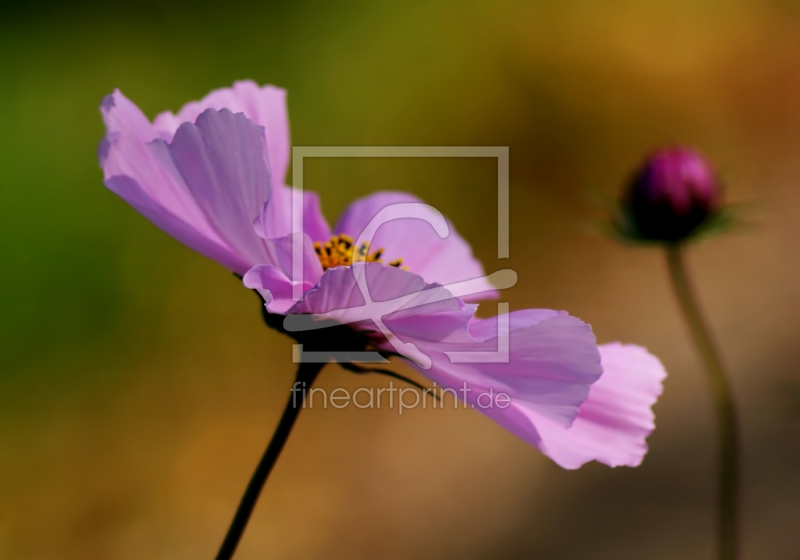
341,251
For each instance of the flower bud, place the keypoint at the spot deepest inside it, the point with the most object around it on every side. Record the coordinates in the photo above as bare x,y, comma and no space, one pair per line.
672,195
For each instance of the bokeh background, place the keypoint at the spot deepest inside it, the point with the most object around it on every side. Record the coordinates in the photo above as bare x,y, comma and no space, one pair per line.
139,387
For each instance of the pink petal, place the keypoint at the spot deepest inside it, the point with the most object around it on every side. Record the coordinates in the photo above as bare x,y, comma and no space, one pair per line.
402,300
281,252
552,361
265,106
274,279
314,223
275,219
124,152
438,260
222,161
273,285
134,173
616,418
122,116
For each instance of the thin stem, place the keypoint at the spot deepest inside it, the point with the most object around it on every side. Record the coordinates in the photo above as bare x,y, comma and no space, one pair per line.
306,374
725,410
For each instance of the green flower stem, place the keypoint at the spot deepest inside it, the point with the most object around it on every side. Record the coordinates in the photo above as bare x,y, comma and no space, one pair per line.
306,374
728,489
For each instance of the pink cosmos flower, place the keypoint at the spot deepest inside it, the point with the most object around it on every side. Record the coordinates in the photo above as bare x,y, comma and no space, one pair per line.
212,177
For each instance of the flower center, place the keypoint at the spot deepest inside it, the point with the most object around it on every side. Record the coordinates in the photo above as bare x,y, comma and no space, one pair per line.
341,251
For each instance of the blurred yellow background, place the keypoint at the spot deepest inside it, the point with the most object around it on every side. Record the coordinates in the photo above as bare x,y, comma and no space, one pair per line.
139,386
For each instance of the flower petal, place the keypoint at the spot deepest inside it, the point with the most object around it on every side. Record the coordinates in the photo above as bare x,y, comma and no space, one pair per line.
122,116
134,173
551,362
415,240
401,300
222,161
140,166
273,285
265,106
275,219
616,418
271,282
275,277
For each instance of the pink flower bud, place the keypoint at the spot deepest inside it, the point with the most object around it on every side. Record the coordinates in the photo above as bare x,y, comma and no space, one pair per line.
672,194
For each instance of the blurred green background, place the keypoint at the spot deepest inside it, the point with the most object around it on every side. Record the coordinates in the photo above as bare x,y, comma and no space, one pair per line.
138,386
